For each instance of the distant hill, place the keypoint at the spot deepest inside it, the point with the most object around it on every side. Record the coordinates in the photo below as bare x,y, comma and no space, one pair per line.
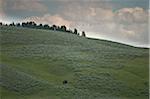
45,64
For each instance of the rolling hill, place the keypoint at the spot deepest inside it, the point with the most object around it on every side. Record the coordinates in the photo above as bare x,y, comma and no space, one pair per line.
34,63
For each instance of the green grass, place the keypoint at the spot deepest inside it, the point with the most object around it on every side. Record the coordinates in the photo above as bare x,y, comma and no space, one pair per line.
34,63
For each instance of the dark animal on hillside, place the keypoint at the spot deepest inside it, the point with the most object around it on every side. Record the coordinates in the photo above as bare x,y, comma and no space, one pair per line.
65,82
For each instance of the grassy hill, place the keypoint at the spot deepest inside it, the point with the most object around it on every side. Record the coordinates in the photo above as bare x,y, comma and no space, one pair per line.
34,63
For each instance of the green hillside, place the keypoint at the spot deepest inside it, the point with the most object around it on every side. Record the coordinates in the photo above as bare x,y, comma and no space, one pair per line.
34,63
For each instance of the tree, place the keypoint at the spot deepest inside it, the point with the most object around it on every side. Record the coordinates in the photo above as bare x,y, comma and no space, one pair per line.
75,31
12,24
1,23
40,26
63,28
34,25
69,31
46,26
54,27
18,25
83,34
23,24
28,24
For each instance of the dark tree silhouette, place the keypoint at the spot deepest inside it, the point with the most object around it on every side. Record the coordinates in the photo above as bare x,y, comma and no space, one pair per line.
46,26
63,28
69,31
12,24
58,28
54,27
1,23
40,26
18,24
83,34
75,31
32,24
23,24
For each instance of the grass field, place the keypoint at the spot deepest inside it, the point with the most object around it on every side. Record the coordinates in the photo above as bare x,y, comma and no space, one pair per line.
34,63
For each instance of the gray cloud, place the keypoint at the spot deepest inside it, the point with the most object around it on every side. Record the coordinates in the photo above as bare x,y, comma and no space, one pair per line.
99,18
50,19
132,15
21,5
127,25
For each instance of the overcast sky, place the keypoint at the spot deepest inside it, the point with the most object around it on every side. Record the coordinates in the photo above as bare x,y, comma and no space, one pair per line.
123,21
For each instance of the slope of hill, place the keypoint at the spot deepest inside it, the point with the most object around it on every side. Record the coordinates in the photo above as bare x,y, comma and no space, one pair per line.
34,63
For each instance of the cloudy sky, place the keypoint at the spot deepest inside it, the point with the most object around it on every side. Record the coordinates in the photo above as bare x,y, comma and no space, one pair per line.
124,21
